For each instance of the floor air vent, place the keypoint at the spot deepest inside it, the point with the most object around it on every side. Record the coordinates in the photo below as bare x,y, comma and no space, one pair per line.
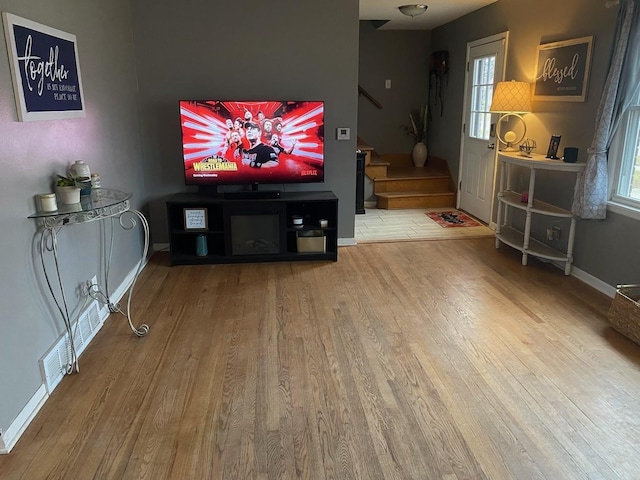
55,362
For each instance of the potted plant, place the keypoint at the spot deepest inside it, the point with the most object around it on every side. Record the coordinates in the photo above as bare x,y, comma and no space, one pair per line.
69,186
418,129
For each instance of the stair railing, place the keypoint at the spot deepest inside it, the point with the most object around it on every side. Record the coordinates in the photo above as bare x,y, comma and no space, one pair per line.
362,91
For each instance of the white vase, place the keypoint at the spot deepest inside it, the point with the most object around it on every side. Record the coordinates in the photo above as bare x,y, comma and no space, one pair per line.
68,195
80,169
419,154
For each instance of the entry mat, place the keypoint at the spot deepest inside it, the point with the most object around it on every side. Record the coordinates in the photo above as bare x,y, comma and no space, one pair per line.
452,218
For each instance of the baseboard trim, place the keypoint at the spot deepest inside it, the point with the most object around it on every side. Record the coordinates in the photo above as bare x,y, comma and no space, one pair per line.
594,282
346,242
9,438
160,247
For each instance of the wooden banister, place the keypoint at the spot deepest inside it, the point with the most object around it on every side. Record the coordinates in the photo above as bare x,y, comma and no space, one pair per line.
362,91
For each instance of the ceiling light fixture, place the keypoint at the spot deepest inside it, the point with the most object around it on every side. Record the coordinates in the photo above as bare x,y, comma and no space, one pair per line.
413,10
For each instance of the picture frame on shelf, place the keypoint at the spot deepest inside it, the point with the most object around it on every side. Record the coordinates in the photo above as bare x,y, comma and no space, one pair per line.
554,143
45,70
196,219
562,70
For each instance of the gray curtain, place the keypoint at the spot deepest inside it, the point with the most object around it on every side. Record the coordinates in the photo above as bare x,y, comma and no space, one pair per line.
620,91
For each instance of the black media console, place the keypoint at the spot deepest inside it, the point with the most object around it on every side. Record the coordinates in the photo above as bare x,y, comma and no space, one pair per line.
250,229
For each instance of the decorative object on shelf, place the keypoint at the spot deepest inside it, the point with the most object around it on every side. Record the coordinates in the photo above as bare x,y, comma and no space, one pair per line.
570,154
562,70
418,129
195,219
527,147
69,187
323,223
511,99
95,180
452,218
96,185
68,195
201,245
45,87
554,143
81,170
412,10
296,220
71,180
48,202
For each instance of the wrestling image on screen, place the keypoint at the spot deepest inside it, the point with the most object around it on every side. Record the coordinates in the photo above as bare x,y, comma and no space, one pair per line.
227,142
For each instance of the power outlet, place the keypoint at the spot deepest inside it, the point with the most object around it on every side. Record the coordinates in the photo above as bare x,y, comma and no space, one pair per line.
553,233
90,284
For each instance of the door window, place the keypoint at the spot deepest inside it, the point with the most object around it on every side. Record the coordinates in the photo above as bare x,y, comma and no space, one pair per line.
481,96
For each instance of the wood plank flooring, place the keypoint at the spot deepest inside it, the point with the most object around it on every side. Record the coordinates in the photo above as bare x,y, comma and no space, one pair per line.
412,360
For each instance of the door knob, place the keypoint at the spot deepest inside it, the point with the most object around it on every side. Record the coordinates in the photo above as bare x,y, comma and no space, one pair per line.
491,146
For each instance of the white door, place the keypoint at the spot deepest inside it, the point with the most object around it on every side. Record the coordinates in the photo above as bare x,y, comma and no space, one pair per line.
485,67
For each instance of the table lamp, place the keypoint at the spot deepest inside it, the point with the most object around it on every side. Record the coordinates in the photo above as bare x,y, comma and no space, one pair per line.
511,99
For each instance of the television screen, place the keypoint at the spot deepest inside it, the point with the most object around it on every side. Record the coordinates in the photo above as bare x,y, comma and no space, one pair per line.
238,142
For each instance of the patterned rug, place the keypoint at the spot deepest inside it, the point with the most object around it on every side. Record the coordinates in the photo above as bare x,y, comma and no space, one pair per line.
452,218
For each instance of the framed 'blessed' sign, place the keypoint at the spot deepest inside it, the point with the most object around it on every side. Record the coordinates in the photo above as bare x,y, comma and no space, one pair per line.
562,70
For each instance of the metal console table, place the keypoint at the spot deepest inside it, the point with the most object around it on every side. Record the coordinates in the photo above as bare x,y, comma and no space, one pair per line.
101,204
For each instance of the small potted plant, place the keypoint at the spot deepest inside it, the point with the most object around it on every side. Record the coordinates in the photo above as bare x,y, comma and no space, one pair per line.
68,188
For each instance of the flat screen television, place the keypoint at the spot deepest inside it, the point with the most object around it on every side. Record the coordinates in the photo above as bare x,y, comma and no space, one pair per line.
242,142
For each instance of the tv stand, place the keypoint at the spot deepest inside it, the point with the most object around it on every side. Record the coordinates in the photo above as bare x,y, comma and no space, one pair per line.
252,194
253,226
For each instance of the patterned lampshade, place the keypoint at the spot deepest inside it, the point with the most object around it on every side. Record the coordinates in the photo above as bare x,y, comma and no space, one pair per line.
511,97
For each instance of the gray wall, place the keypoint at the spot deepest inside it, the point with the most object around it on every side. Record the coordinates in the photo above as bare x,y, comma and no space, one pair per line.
289,50
604,249
31,153
403,57
302,49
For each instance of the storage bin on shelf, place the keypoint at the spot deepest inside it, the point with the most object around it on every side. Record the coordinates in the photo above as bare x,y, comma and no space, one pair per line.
311,241
624,313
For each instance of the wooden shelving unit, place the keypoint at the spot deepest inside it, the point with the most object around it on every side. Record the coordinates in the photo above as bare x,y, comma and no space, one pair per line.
508,199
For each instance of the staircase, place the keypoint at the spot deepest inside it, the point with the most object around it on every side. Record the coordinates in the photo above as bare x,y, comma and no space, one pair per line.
397,183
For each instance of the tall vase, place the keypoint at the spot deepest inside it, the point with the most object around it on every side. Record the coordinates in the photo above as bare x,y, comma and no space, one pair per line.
419,154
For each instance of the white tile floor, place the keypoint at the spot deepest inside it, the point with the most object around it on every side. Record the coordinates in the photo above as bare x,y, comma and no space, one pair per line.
378,225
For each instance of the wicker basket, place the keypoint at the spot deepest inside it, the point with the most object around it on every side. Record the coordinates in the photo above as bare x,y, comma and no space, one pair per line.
624,314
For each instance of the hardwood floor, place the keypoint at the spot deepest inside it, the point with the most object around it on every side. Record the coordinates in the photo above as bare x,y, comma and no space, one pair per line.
410,360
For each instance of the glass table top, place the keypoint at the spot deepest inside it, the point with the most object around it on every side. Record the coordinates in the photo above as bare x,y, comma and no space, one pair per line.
99,199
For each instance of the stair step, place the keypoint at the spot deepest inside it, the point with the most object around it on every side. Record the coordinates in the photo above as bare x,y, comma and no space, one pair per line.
417,199
379,161
375,171
435,184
